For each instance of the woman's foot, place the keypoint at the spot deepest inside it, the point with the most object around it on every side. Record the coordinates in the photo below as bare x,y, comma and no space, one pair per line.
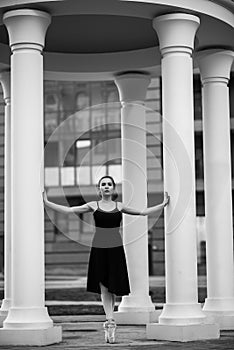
109,329
105,326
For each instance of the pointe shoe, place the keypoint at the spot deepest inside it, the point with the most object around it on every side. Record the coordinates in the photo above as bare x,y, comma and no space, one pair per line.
105,326
111,331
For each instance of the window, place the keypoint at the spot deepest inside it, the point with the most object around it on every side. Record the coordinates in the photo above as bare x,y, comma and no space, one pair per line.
97,172
51,154
51,112
52,176
83,148
83,176
82,100
99,151
69,159
197,97
61,226
115,171
67,176
199,155
113,96
98,118
83,160
95,132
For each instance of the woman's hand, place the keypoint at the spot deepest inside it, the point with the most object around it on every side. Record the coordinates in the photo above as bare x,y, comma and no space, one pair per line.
166,199
54,206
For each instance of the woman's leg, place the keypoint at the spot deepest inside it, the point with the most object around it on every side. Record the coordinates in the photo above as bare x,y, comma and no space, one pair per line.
107,299
113,302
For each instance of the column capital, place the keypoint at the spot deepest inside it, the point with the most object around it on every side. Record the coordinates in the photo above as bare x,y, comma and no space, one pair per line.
132,86
176,31
215,65
5,80
26,28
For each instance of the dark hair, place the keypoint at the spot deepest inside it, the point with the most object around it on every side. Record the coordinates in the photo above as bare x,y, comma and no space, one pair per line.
115,194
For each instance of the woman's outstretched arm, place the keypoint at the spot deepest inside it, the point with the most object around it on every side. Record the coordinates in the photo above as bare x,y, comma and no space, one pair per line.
147,211
67,210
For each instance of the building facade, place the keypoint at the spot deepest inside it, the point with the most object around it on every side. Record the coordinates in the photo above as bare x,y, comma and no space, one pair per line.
95,106
65,251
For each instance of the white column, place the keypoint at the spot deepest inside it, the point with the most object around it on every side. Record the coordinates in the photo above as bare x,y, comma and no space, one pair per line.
215,68
28,322
6,302
136,307
182,317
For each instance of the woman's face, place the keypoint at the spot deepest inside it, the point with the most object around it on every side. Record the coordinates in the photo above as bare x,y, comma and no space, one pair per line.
106,187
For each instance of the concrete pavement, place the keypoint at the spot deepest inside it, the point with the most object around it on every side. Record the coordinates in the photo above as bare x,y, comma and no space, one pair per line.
86,333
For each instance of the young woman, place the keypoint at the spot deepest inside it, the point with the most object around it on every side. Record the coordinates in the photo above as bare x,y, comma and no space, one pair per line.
107,270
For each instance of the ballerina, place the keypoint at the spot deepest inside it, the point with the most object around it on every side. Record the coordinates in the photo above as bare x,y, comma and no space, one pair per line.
107,268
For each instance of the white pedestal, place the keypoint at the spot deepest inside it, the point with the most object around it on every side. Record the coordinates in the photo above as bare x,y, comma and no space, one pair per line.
182,333
137,317
27,337
222,318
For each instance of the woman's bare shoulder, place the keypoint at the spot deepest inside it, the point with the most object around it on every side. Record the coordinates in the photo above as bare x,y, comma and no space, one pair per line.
92,205
120,205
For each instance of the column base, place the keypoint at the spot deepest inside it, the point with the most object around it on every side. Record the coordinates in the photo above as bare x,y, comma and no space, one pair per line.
182,333
224,319
28,318
31,337
136,317
136,309
182,314
136,303
219,304
221,311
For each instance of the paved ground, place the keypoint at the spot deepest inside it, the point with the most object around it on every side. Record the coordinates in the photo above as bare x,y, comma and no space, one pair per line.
85,332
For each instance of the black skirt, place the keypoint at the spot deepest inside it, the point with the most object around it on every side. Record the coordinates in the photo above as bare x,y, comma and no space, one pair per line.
108,266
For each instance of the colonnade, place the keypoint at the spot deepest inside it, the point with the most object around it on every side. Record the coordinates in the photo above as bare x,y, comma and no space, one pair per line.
26,319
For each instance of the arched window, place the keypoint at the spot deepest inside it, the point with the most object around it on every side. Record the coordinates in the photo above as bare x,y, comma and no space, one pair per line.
113,110
51,101
113,96
51,112
82,100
